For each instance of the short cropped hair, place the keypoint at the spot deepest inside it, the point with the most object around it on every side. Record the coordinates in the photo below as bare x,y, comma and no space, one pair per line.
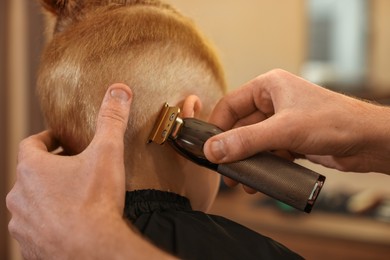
147,45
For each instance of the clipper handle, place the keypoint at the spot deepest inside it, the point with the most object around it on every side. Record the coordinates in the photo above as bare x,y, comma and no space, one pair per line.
283,180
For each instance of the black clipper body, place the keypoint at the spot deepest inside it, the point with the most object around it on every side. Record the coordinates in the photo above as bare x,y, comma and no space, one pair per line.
280,179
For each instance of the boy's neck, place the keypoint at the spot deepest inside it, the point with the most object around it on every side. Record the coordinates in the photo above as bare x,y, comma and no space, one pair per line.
157,167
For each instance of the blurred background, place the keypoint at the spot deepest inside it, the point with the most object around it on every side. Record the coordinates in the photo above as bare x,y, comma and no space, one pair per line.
341,45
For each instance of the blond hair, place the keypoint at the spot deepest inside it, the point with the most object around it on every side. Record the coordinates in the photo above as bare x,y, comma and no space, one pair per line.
145,44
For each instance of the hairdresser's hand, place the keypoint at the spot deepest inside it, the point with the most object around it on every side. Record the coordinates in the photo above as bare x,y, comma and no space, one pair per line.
71,206
280,111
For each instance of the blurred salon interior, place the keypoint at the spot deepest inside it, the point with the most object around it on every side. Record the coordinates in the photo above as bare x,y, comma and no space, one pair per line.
343,45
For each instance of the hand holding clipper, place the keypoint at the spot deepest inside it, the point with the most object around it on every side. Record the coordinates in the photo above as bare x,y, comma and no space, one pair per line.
281,179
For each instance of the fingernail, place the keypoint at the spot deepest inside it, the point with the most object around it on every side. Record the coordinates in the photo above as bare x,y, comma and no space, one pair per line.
120,95
218,150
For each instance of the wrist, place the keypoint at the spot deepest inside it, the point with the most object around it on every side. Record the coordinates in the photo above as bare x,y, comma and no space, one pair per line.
113,238
375,137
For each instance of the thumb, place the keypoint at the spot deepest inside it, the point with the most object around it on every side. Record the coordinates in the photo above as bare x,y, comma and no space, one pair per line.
112,120
226,147
245,141
105,154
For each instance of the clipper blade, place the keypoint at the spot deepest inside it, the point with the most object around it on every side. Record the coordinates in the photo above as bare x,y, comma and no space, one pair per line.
164,124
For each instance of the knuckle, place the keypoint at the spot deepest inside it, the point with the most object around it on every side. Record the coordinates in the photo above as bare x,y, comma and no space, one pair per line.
10,200
232,113
277,73
245,140
238,144
113,115
272,77
22,169
23,145
228,111
13,228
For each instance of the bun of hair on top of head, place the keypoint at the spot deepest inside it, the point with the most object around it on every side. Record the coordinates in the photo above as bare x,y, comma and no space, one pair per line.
59,7
67,12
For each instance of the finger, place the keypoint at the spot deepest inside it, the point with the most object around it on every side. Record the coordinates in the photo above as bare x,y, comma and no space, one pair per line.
339,163
43,141
106,151
232,107
37,144
229,182
232,183
249,190
243,142
252,97
285,154
112,121
10,201
251,119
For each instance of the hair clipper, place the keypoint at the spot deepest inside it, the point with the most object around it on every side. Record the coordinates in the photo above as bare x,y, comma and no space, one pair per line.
280,179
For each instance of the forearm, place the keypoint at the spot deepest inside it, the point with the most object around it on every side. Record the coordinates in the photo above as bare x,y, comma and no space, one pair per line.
352,135
375,137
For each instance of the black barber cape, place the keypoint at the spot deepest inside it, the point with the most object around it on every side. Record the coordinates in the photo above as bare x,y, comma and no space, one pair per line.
169,222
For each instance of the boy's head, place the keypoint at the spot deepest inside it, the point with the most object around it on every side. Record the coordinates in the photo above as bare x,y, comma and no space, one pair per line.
151,48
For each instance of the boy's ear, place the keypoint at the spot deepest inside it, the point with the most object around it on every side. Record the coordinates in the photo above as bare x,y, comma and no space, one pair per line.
192,106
